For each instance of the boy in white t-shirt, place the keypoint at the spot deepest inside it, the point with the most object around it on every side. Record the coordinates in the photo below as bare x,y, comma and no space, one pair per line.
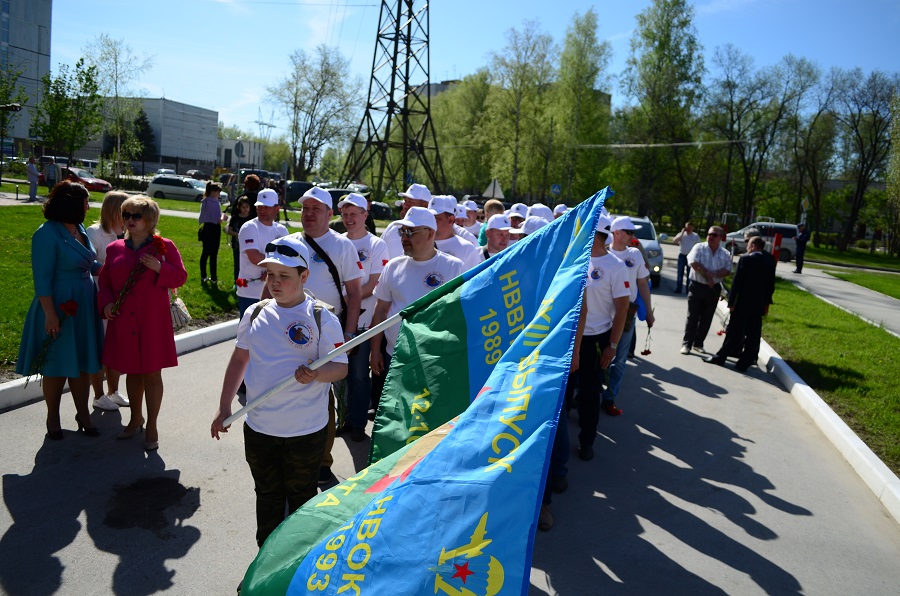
284,438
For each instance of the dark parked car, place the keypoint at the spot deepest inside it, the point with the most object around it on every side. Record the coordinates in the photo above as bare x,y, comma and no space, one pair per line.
380,210
295,189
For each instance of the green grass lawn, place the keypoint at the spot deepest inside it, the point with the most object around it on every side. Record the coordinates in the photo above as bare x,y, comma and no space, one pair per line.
19,223
852,365
884,283
853,256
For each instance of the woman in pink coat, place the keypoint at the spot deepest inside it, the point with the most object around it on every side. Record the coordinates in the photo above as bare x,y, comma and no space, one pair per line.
140,341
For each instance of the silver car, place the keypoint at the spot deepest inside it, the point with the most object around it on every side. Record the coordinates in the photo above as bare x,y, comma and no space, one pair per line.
174,187
645,232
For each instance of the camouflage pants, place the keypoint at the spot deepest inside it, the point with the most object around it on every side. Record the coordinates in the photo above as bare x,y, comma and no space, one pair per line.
285,472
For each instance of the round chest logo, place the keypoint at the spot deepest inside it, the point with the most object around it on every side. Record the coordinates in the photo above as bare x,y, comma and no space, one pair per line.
298,334
597,274
316,258
363,255
629,262
434,280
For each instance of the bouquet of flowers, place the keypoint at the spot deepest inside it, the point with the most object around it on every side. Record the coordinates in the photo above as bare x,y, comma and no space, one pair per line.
69,309
646,350
159,249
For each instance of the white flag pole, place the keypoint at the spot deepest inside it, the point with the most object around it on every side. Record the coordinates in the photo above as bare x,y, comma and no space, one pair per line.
362,337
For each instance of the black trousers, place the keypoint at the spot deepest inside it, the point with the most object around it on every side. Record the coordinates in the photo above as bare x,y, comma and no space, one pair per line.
742,338
211,237
702,301
590,385
285,472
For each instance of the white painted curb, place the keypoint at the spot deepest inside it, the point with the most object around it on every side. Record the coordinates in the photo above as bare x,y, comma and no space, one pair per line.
15,393
876,475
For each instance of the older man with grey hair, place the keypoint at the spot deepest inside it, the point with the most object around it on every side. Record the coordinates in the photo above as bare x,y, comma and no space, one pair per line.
710,264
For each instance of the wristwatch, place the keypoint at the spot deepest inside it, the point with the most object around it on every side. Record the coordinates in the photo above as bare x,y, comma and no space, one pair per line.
614,345
349,335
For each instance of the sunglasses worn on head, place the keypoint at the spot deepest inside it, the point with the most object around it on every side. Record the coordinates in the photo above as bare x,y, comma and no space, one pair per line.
135,216
408,232
282,249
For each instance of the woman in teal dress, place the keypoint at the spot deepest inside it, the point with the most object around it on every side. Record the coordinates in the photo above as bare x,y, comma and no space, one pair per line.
62,260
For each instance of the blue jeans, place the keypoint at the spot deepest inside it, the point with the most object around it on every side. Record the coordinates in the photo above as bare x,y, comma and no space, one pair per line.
359,386
244,304
617,367
682,271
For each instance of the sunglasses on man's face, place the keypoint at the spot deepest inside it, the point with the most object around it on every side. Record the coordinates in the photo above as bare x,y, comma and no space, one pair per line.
135,216
408,232
713,235
629,232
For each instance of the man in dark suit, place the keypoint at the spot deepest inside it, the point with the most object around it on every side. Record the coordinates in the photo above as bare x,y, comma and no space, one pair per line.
749,300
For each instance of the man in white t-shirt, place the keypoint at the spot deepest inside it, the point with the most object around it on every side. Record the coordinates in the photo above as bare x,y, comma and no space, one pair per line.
604,310
408,278
472,225
710,264
323,241
373,255
497,232
284,437
417,195
638,275
253,237
685,239
445,238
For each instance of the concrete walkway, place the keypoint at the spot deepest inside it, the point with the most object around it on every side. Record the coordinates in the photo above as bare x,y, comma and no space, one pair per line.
711,482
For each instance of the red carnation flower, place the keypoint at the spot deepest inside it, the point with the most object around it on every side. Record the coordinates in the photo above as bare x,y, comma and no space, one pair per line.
69,307
159,245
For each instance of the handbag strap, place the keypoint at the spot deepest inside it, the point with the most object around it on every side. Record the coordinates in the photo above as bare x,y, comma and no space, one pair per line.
331,268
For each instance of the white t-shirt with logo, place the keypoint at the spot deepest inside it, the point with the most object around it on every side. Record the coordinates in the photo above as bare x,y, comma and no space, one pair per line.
456,246
320,281
635,265
255,235
279,340
405,280
372,253
606,280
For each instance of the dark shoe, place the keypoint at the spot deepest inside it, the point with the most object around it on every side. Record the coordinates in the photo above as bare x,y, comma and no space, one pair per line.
89,431
586,453
54,435
559,484
676,291
740,367
715,360
327,479
609,406
358,435
545,519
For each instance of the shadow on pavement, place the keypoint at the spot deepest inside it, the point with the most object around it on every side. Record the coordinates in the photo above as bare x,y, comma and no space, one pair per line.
659,471
134,507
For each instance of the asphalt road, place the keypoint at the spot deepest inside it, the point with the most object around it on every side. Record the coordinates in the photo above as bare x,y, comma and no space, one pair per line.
711,482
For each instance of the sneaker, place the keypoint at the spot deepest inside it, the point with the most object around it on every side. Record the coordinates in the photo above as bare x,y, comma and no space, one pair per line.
545,519
699,350
118,399
685,350
609,406
105,403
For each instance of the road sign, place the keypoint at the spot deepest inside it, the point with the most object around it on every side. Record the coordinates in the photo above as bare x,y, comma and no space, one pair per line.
556,189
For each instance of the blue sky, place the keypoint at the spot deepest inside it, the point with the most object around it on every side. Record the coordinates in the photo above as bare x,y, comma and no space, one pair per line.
222,54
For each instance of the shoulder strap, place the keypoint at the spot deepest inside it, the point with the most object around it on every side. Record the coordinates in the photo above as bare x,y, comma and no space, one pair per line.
486,255
331,268
317,311
259,306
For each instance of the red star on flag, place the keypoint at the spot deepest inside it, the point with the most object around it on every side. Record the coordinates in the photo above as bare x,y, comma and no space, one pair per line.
462,571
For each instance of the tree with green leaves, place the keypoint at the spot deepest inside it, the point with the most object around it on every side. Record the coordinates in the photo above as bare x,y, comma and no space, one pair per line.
10,93
864,112
579,106
117,68
893,182
522,73
68,114
319,97
663,76
144,138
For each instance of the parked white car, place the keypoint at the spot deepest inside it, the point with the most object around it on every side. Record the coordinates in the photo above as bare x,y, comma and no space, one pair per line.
174,187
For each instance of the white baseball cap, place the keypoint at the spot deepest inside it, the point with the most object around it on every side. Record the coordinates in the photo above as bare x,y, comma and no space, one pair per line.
498,222
266,198
319,194
540,210
623,222
461,212
442,204
603,224
560,209
289,251
418,192
471,205
419,217
518,210
532,224
356,200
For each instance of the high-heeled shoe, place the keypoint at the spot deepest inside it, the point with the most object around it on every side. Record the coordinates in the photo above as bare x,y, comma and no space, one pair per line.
151,445
54,435
130,431
89,431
